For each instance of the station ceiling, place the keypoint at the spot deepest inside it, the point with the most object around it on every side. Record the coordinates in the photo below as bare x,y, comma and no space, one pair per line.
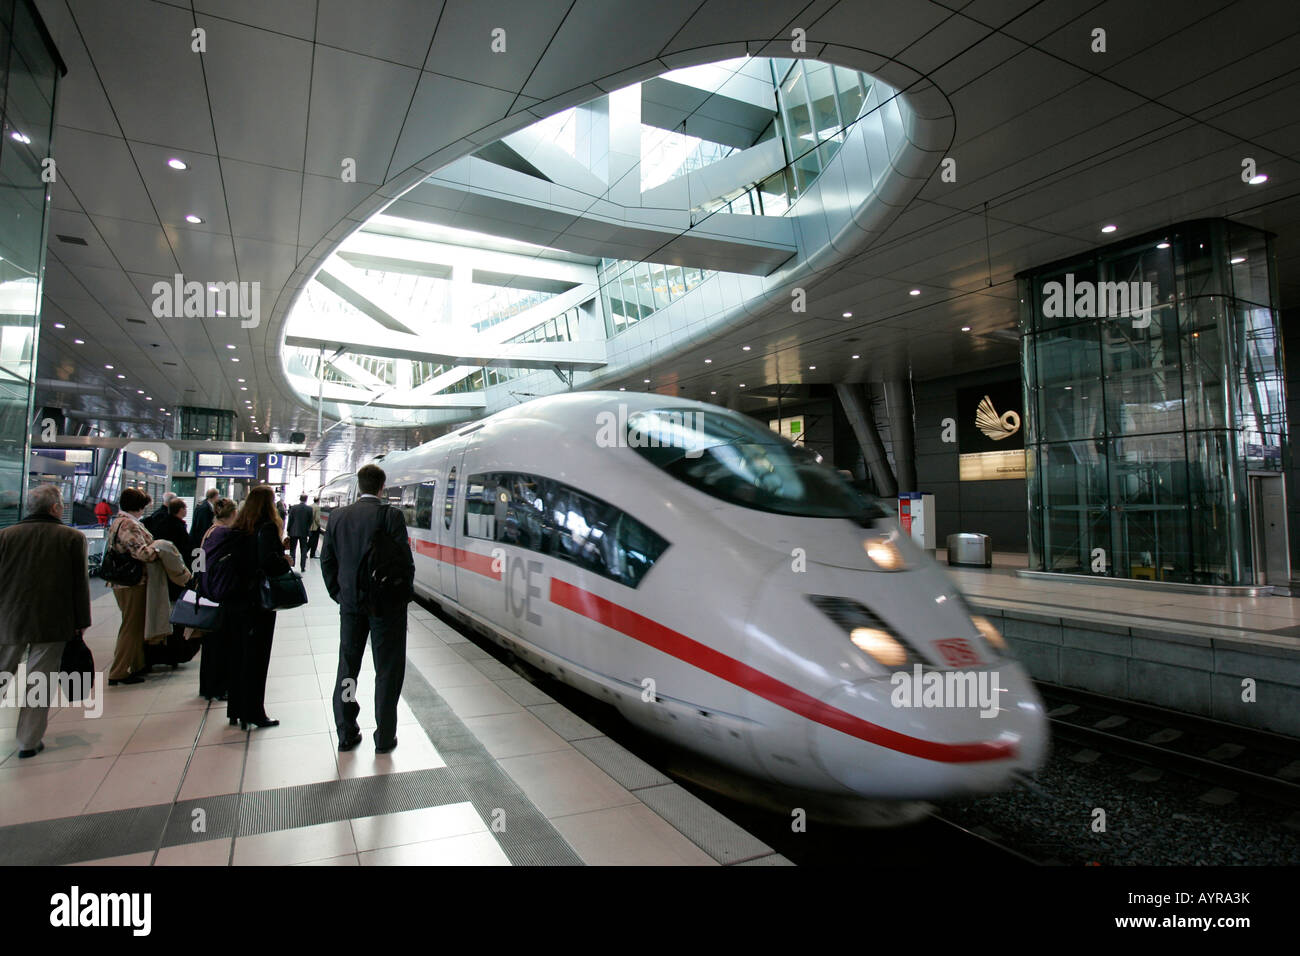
1053,141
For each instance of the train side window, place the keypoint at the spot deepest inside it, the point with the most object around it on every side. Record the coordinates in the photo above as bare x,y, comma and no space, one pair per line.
408,504
480,513
449,502
424,495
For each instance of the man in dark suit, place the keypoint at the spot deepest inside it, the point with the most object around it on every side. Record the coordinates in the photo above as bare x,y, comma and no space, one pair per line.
44,602
202,521
347,542
297,529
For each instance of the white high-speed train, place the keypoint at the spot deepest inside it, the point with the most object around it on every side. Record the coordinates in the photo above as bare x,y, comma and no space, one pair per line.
722,588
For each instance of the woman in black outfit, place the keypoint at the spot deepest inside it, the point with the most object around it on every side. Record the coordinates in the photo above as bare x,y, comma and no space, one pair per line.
253,627
214,665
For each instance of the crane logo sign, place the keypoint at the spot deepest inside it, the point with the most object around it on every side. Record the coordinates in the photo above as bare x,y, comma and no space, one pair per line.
995,426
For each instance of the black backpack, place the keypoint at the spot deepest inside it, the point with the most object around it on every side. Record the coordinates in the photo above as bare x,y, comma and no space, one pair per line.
385,575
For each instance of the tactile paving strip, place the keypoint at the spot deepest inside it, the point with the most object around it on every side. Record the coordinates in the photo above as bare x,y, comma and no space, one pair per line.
627,768
702,825
523,833
93,836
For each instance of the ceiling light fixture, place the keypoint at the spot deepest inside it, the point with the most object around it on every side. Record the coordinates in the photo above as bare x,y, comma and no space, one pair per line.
1237,260
20,137
120,375
848,315
232,346
177,163
708,361
59,325
1162,245
744,348
234,358
109,367
1109,228
193,219
857,356
79,341
915,292
1257,179
965,328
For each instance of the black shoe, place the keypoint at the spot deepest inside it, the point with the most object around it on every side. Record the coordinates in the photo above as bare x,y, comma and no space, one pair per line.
258,724
351,743
24,754
386,748
132,679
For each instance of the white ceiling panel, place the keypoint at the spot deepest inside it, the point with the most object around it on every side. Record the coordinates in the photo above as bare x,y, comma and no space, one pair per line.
262,200
443,111
295,18
462,47
358,107
401,35
272,70
139,246
89,160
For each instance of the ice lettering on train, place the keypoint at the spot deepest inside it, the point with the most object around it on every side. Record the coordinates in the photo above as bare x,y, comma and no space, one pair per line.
521,588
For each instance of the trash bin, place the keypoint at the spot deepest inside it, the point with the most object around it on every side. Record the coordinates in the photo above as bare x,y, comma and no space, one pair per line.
970,550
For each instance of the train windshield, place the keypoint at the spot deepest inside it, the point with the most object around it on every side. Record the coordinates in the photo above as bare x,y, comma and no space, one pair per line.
729,457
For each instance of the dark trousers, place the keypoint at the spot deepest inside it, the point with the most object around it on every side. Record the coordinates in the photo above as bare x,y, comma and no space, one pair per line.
312,540
214,664
388,649
298,546
249,642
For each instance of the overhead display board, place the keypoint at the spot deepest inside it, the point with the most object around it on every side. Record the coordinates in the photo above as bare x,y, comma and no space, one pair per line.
216,465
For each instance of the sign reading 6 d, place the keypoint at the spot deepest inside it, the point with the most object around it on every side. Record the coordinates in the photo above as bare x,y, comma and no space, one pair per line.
521,588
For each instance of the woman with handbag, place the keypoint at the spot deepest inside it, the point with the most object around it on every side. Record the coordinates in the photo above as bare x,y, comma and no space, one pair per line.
128,548
253,625
214,665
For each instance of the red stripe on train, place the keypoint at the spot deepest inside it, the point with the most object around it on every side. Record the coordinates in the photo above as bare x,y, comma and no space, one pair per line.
699,655
469,560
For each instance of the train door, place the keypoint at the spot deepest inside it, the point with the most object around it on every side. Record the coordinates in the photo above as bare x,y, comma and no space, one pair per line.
446,522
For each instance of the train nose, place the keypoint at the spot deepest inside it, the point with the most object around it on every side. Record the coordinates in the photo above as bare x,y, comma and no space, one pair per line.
923,746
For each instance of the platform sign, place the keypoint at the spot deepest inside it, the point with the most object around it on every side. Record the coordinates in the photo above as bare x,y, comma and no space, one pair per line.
143,466
217,465
63,461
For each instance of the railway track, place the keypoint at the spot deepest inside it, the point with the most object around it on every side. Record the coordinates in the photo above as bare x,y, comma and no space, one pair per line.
1239,760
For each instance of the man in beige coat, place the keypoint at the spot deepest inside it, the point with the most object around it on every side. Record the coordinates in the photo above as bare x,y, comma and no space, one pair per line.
44,601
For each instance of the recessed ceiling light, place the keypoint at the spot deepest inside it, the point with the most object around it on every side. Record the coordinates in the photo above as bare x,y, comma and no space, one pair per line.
1069,388
744,348
20,137
232,346
812,368
1237,260
169,414
713,393
79,341
241,380
848,315
193,218
1256,180
139,391
1162,245
965,328
857,356
646,381
59,325
1109,228
108,367
177,163
622,388
120,375
148,398
243,388
234,358
915,292
742,384
220,312
708,361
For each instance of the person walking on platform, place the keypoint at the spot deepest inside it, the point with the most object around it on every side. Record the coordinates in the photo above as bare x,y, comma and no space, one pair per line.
44,602
126,535
298,527
103,511
160,512
203,518
252,626
314,537
368,569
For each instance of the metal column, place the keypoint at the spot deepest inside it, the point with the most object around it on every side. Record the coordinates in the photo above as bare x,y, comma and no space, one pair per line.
857,406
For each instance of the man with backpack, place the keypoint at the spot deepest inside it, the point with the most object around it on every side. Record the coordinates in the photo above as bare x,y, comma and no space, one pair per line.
369,571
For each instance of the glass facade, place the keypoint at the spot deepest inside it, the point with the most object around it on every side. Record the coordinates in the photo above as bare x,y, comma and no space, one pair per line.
1153,387
29,75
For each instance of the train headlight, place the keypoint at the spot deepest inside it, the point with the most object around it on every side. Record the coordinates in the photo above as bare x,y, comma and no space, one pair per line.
989,632
879,645
866,631
884,553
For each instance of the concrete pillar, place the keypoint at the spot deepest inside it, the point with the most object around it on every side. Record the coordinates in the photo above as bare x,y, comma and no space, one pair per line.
902,428
857,407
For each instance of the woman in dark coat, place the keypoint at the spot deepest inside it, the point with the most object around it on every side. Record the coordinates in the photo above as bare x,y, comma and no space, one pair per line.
214,665
253,627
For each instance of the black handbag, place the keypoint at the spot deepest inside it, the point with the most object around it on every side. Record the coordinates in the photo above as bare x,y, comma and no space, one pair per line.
193,610
282,592
77,659
118,567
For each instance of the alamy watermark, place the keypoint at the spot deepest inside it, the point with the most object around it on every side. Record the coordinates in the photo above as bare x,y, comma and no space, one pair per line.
1098,300
659,429
198,300
946,689
48,690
